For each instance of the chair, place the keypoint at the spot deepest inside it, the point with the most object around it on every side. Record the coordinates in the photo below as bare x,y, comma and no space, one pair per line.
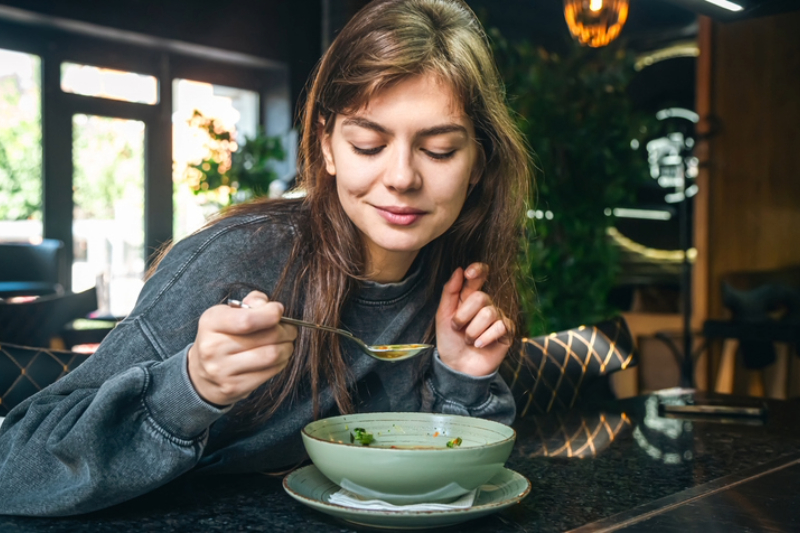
31,269
763,328
557,370
34,323
25,370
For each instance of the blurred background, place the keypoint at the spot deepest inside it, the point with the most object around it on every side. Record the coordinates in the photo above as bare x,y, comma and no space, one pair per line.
663,133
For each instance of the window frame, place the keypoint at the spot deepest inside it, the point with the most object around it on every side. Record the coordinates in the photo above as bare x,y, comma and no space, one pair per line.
151,56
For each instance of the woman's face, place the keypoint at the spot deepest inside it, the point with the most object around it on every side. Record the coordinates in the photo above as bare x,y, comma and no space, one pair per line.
403,165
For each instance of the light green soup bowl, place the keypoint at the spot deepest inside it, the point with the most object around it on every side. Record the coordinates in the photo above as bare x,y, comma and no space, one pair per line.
409,460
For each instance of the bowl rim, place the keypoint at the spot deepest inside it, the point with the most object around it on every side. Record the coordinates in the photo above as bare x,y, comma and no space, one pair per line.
512,437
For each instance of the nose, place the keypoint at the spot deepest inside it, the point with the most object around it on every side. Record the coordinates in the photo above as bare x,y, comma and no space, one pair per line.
401,174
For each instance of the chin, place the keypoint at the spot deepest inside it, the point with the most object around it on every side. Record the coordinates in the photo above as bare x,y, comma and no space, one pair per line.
406,245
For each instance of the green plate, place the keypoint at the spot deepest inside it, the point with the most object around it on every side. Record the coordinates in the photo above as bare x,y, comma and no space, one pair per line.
307,485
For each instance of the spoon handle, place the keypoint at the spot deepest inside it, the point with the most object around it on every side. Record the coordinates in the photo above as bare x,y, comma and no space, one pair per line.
304,324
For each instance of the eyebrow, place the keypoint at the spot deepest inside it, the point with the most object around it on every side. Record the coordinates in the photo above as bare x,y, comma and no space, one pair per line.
427,132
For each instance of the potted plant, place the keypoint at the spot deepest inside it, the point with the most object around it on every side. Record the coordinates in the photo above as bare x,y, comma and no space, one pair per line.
234,172
580,123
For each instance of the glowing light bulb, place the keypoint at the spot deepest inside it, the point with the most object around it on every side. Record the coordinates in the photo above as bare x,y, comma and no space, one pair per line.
595,23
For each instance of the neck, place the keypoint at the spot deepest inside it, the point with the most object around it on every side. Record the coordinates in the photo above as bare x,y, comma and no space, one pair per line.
389,267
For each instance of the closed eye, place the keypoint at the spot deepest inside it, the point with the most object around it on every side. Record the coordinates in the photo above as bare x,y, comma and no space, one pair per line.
440,156
367,151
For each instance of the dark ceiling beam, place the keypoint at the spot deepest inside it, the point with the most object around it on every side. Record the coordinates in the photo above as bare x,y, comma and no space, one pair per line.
88,29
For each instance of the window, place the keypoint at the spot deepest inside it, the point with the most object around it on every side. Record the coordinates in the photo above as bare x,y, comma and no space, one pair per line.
233,110
108,214
20,147
108,83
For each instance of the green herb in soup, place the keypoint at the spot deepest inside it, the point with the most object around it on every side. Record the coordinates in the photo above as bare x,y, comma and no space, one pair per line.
456,442
361,436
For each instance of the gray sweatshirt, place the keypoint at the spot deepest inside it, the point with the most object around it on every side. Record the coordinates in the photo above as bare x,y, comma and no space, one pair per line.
128,420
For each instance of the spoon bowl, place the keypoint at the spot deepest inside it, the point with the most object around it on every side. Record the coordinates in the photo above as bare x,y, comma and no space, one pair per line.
382,352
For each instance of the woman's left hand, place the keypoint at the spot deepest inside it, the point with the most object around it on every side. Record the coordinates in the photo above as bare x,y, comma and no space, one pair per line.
472,334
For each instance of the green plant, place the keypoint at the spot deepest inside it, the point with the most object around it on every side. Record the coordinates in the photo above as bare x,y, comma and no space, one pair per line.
237,171
579,121
20,151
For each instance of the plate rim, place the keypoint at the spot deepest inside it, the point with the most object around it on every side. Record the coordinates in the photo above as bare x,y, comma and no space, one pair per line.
390,512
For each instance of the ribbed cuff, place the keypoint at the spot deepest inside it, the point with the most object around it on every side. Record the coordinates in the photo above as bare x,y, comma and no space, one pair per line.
174,403
469,391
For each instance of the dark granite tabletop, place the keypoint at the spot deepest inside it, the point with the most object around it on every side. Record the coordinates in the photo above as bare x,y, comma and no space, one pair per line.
584,466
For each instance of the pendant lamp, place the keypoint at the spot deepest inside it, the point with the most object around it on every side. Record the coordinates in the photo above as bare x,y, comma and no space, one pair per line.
595,23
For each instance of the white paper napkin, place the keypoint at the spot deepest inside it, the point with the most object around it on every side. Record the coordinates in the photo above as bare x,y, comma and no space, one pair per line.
348,499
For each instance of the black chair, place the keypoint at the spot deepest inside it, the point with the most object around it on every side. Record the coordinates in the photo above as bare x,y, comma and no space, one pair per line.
36,322
559,370
28,269
765,313
25,371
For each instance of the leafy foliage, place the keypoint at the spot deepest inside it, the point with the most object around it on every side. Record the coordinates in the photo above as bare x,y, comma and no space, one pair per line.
244,171
20,152
108,158
579,121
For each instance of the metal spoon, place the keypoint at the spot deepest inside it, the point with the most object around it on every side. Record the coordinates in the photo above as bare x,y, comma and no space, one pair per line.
388,352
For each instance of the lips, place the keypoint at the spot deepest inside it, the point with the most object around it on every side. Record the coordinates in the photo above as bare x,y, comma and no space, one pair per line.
400,215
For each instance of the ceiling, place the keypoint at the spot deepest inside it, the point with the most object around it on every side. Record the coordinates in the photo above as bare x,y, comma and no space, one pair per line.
650,22
751,8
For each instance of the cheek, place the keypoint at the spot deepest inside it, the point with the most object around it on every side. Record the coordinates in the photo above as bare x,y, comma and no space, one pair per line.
355,181
451,188
354,176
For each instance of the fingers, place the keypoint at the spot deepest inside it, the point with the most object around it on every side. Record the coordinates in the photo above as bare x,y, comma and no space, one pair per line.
482,322
238,349
476,275
259,319
500,331
470,308
255,299
217,384
256,360
451,294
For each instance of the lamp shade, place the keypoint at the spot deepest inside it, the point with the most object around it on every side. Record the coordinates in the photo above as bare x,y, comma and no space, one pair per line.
595,23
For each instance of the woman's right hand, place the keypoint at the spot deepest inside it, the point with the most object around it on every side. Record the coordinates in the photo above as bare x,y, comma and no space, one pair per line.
237,350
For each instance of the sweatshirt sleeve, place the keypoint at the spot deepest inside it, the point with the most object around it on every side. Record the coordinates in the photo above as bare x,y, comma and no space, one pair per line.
128,419
453,392
105,433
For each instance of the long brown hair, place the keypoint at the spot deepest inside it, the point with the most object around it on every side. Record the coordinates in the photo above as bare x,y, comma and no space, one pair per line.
386,42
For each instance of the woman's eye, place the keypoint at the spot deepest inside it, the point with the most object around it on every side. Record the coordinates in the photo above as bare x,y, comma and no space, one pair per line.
367,151
440,155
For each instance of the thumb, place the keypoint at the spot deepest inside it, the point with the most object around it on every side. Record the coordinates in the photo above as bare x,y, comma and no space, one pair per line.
255,299
451,294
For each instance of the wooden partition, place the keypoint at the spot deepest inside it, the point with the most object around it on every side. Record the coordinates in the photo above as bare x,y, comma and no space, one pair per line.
748,209
748,206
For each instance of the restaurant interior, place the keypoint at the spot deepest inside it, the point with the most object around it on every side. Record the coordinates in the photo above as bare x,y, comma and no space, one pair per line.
125,126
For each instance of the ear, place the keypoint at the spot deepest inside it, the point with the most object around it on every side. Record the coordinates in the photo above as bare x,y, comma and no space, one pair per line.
327,152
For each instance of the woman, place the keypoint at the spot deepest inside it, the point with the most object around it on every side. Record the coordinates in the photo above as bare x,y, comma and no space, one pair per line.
413,171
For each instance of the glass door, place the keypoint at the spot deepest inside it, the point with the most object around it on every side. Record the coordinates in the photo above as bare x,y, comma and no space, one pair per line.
20,147
108,209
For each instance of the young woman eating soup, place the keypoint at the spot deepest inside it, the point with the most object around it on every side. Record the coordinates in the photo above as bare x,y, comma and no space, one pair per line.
415,179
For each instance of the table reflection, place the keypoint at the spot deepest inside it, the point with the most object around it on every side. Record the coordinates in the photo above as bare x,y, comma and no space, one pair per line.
571,434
